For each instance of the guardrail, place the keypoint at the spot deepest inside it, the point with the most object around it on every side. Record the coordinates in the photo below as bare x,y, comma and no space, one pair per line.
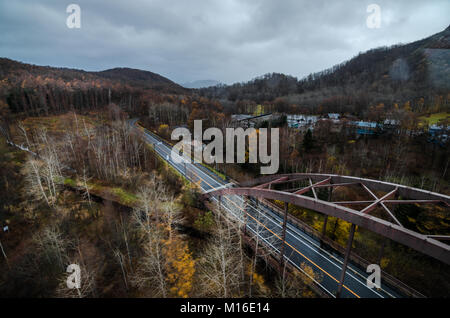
357,260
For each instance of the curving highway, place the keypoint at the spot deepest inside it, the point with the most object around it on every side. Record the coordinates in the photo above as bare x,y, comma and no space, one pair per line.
301,248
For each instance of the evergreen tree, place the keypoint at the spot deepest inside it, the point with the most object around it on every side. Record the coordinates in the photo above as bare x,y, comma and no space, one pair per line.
308,141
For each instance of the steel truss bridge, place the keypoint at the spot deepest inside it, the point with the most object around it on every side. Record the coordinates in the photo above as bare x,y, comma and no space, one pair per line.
393,194
292,244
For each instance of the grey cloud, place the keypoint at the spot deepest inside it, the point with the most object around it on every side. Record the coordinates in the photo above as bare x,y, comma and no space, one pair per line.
224,40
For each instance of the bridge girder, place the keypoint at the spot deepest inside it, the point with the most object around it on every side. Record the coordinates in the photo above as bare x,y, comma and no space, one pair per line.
419,242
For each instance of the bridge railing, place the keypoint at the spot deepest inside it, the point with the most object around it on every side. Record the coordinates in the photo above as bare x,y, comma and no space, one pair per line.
355,259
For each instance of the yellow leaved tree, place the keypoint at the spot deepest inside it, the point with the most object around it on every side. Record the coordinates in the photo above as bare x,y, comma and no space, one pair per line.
180,267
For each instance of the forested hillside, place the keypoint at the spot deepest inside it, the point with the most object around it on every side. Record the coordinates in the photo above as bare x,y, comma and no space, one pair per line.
42,90
417,72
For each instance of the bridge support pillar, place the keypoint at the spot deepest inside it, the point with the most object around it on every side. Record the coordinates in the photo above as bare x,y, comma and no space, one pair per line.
283,233
347,256
325,221
324,228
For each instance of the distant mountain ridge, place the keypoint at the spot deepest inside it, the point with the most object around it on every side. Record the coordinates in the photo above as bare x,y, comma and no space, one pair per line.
135,75
398,73
201,84
145,79
34,90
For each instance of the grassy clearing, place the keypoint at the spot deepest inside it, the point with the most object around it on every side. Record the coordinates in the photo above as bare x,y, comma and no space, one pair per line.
70,182
434,118
59,123
113,193
125,197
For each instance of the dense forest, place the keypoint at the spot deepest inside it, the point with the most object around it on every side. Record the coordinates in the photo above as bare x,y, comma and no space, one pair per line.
38,90
97,196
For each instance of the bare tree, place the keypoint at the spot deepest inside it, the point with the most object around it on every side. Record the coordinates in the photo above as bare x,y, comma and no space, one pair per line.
35,186
86,188
220,266
263,239
171,216
150,274
150,198
120,259
44,173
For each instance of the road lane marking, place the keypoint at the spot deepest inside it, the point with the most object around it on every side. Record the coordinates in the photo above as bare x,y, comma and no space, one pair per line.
288,244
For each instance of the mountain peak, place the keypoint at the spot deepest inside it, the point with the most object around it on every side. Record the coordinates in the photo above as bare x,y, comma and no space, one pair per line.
132,74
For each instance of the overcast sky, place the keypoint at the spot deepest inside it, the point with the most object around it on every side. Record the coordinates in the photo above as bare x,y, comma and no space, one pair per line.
224,40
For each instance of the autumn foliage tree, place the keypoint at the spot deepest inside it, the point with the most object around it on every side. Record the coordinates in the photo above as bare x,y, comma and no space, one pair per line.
180,267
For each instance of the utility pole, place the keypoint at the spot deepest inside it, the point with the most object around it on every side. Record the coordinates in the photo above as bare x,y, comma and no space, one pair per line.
283,234
347,255
325,221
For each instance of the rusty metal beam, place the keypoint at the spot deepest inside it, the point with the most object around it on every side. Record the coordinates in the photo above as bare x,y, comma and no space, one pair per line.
417,241
413,201
353,202
265,185
440,237
334,185
372,206
371,202
390,213
311,186
369,191
290,180
403,191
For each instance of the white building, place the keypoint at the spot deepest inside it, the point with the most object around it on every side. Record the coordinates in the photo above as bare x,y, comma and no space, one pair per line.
301,121
334,116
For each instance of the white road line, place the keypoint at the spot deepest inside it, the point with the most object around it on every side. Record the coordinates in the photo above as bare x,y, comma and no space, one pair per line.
291,229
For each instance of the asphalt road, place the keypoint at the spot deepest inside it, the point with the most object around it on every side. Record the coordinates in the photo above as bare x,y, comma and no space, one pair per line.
301,248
